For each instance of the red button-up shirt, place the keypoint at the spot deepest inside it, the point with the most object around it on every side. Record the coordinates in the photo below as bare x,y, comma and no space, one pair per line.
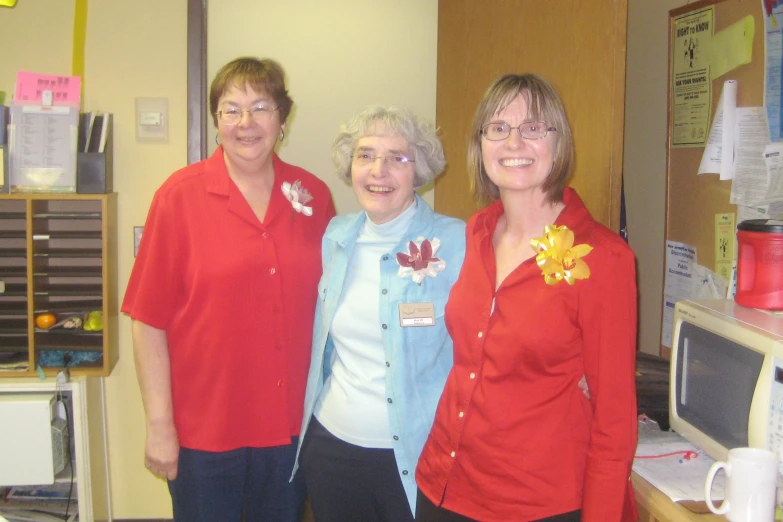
236,298
514,436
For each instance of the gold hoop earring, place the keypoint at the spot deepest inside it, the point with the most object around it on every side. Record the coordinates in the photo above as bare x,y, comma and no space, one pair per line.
217,139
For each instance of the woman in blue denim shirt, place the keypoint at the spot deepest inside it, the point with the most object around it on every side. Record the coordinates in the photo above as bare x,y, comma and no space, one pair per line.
381,352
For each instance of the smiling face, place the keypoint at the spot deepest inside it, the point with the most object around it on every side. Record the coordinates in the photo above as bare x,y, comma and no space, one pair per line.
383,190
248,145
516,163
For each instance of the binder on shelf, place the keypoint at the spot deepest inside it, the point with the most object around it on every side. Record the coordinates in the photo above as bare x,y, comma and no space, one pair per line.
95,168
4,115
42,145
86,120
4,185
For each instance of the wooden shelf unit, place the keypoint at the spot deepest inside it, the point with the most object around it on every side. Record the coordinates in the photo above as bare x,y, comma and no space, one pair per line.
58,254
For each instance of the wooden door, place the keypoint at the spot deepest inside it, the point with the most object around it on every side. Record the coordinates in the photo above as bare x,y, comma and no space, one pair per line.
578,45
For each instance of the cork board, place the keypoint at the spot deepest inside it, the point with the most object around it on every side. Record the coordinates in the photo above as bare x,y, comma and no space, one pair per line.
692,200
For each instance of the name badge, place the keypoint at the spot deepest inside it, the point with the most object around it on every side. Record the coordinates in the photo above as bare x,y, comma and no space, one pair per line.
417,314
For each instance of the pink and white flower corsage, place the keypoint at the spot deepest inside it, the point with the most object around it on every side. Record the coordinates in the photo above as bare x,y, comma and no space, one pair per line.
298,196
420,261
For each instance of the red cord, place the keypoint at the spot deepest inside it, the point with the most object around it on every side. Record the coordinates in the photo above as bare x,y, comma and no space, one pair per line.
686,454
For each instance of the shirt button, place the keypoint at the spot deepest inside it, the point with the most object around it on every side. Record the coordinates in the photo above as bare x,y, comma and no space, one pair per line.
453,454
389,400
275,309
405,472
272,271
385,258
280,383
472,375
480,335
265,235
396,437
461,414
384,291
278,347
384,326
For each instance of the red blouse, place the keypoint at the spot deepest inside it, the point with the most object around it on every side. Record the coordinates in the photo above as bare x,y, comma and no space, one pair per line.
514,436
236,298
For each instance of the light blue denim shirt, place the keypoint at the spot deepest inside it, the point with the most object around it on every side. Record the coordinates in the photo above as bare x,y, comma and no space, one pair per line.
418,359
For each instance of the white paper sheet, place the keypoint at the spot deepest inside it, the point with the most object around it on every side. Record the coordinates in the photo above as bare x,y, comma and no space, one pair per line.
773,160
750,172
721,136
678,283
677,477
771,211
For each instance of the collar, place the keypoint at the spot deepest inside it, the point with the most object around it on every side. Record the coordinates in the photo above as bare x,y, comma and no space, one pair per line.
575,215
421,225
218,180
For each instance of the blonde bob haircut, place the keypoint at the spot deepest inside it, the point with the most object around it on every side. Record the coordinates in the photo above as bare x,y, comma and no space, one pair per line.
543,104
425,145
263,76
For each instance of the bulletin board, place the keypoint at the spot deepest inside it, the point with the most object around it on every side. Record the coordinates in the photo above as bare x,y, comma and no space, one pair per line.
692,200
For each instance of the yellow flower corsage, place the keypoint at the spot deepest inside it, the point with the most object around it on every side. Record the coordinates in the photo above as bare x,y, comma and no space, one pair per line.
558,258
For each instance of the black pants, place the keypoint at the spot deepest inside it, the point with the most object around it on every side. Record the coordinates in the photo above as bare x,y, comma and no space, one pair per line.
426,511
348,483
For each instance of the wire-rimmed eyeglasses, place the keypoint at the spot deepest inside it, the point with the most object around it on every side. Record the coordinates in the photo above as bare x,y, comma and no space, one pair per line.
396,161
530,130
233,115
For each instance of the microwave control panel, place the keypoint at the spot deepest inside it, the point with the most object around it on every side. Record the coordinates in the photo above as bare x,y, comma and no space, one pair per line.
775,432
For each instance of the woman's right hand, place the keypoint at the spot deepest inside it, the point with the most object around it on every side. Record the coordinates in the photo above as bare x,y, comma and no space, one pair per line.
162,450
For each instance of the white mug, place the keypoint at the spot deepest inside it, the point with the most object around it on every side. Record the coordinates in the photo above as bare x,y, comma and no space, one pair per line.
751,474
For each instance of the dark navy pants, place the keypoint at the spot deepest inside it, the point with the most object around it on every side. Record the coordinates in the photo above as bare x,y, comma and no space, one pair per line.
348,483
225,486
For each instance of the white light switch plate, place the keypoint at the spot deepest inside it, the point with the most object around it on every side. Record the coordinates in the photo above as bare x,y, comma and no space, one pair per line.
152,119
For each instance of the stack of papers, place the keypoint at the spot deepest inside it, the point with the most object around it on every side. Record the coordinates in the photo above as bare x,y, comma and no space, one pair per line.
676,476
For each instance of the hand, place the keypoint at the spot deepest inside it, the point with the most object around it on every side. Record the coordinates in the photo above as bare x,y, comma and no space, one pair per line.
162,451
583,386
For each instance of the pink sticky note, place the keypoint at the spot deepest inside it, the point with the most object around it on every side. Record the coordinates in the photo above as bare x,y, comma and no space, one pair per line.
66,90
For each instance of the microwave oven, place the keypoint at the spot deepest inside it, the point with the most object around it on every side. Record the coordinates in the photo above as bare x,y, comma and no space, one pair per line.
726,380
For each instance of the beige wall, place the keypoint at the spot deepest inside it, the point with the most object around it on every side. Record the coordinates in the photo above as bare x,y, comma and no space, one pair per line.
369,52
46,49
644,162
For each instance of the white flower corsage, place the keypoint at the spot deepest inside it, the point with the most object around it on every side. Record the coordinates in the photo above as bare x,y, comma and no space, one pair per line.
420,261
298,196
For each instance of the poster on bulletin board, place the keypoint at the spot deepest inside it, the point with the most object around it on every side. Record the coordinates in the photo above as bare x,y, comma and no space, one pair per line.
691,89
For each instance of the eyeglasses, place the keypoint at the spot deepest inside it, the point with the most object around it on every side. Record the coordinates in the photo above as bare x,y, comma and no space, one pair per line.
259,113
396,161
530,130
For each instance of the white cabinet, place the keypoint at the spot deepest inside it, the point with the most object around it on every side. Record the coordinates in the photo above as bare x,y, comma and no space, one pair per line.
87,438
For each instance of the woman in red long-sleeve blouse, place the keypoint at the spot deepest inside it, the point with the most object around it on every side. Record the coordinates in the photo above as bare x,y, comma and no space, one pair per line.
546,295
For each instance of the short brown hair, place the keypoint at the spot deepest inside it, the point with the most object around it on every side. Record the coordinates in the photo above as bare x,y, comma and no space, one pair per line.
543,104
263,76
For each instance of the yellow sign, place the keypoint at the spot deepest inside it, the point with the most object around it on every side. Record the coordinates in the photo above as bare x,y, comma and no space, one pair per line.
725,240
